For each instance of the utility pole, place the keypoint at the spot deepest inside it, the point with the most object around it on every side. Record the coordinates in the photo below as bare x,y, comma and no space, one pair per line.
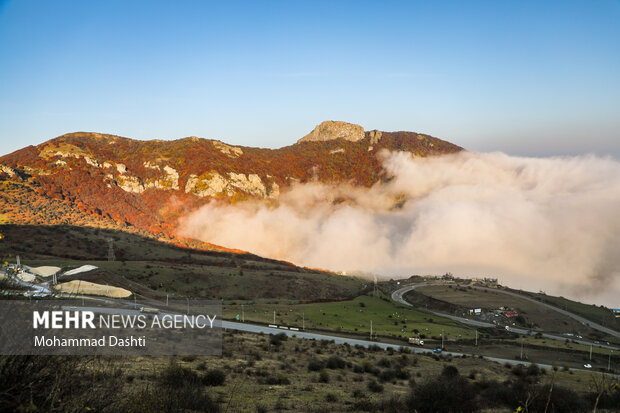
371,329
187,305
111,256
303,321
166,300
590,351
274,316
521,348
476,338
374,293
242,314
442,339
609,361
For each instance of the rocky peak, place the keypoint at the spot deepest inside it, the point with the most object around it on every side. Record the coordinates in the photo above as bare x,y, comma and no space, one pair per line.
330,130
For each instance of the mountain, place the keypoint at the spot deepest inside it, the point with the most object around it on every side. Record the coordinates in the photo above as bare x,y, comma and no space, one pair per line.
108,181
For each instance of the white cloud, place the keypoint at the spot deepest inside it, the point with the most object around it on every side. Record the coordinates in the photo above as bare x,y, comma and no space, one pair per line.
550,223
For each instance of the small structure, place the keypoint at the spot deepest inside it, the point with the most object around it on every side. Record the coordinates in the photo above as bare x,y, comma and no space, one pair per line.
510,314
416,341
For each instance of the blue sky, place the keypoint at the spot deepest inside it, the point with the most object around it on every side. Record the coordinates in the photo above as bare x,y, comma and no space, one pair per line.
525,77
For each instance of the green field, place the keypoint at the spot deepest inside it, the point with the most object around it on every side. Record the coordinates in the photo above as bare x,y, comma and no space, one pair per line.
389,319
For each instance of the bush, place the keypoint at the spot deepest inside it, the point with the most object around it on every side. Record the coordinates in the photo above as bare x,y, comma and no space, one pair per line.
36,383
358,394
176,376
323,376
387,375
278,379
169,400
277,339
214,378
533,370
331,398
450,372
315,365
443,394
375,387
335,362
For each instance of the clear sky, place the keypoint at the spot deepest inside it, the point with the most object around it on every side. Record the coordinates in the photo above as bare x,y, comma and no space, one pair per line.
524,77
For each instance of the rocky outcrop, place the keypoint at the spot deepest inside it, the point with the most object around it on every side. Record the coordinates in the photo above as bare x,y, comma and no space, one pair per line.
128,183
330,130
149,165
213,184
169,181
7,170
231,151
375,136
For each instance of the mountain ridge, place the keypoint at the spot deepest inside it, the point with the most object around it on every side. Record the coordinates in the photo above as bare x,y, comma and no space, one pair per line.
154,182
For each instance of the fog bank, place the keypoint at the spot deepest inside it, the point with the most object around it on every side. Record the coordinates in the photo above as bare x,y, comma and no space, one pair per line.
535,223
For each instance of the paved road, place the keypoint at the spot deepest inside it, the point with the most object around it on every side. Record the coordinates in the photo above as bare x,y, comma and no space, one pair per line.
580,319
398,296
253,328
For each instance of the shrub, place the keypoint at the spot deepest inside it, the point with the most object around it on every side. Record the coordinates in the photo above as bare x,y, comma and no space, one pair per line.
358,394
375,387
214,378
450,372
176,376
277,339
277,379
533,370
335,362
169,400
387,375
324,376
315,365
443,394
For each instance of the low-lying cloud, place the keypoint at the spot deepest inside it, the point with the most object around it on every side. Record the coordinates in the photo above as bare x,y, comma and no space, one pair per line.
535,223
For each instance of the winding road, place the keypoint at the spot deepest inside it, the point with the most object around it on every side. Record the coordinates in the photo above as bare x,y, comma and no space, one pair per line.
398,296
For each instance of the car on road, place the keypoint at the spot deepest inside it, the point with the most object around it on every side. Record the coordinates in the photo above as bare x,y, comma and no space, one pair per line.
437,350
588,366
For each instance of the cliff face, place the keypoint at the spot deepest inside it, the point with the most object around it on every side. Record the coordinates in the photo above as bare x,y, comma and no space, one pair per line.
330,130
150,184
